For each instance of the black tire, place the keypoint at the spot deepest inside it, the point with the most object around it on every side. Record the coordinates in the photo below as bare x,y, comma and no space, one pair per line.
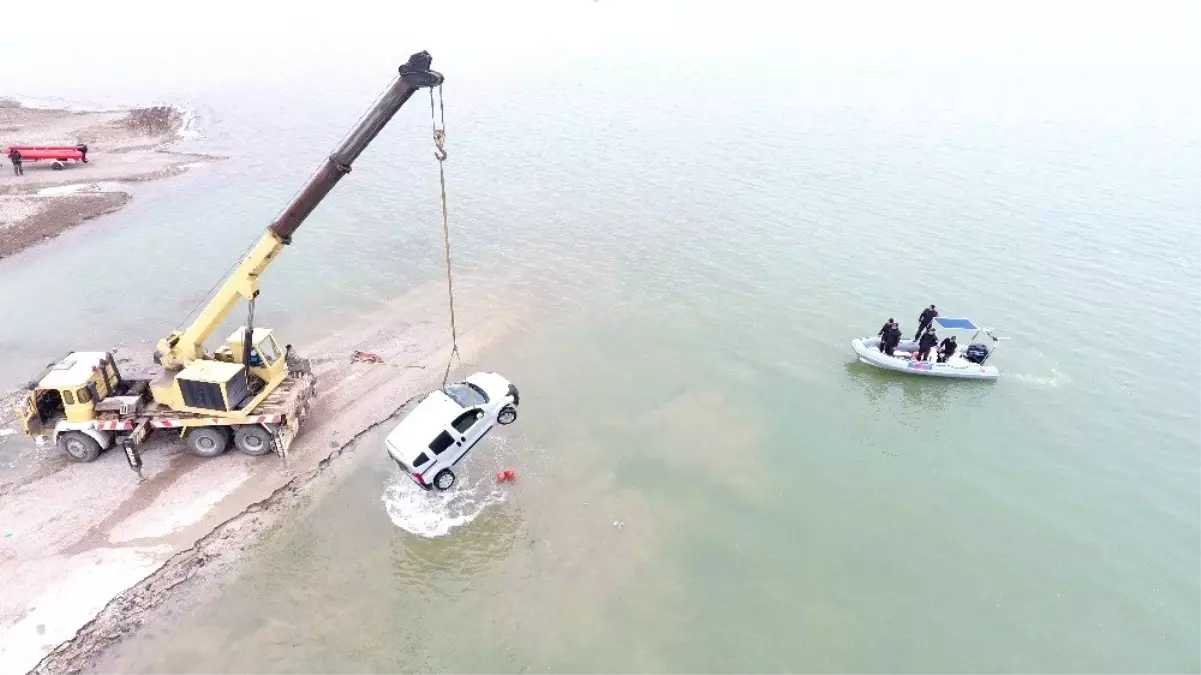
507,415
445,480
79,446
208,441
253,440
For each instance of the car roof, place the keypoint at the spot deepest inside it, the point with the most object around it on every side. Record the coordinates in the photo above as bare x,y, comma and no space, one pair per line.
414,433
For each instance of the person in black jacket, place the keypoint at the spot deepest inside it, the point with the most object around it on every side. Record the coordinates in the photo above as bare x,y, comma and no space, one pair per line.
927,342
891,338
924,321
947,349
15,156
884,330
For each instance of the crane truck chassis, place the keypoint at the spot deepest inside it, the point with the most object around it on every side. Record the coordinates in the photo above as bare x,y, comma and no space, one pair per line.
248,390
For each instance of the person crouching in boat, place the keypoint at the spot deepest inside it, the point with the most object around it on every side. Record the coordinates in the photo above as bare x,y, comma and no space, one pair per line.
927,342
947,349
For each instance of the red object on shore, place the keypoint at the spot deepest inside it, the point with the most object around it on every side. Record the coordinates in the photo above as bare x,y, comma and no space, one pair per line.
357,356
62,153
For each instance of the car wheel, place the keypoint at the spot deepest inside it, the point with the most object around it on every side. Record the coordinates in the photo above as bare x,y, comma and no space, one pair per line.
253,440
208,441
79,446
507,415
445,480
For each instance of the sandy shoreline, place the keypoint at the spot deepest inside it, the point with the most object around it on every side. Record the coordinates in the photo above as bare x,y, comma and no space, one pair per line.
123,146
88,551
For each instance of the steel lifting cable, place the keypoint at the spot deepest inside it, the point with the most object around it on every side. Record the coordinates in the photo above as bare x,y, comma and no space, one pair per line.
438,122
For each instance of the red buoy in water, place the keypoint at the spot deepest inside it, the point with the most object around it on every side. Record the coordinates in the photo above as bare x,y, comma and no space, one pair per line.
500,476
510,474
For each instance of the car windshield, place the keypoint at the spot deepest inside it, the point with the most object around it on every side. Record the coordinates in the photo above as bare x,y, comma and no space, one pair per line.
466,394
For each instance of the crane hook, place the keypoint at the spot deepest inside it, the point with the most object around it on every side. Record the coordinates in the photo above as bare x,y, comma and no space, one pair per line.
439,129
439,142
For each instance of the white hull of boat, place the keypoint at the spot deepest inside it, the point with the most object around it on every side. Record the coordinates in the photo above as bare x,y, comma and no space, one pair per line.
904,361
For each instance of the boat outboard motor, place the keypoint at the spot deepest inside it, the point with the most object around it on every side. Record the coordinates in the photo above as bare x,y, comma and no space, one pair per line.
976,353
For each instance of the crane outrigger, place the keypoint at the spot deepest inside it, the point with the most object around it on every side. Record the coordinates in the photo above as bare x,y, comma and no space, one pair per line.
248,389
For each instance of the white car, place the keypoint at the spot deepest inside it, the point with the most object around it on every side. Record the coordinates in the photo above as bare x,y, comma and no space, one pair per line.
437,434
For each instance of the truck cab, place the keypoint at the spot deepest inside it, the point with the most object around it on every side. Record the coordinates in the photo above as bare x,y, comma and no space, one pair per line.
68,390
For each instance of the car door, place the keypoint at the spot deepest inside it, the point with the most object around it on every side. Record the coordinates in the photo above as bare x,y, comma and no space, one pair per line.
468,428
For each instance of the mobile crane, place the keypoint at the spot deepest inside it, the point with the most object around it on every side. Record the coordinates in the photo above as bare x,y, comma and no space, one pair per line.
247,390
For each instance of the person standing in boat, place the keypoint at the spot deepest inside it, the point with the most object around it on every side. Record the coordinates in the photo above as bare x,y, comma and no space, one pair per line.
927,342
891,338
947,349
924,321
884,331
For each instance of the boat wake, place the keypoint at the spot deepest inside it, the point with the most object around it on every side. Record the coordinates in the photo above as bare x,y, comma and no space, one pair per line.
435,514
1054,379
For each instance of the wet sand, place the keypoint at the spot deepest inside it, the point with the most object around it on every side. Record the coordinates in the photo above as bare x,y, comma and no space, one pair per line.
83,540
123,146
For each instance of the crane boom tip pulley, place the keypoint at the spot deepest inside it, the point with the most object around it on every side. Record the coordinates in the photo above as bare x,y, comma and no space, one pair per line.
418,73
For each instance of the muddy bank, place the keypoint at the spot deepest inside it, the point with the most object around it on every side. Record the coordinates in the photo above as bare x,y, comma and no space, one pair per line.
123,146
83,540
28,220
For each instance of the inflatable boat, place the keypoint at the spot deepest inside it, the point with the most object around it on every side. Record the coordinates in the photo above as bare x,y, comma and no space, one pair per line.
58,155
967,364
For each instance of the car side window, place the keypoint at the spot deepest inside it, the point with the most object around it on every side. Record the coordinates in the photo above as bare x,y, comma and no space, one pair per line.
466,420
68,397
442,442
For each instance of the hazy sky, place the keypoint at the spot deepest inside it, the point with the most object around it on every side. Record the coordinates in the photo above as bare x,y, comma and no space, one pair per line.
219,30
151,45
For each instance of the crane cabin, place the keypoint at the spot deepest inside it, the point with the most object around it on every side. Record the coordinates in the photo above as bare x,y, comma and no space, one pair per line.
223,385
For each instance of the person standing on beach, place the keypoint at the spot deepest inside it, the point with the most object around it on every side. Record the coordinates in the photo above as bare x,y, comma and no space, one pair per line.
15,156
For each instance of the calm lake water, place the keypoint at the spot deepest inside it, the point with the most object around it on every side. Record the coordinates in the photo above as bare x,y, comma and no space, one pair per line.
708,481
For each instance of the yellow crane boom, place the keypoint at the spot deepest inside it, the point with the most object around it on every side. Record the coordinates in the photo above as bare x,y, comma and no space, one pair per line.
180,348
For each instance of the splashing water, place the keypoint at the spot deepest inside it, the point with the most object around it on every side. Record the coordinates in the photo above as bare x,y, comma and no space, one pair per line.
189,128
1054,379
432,513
